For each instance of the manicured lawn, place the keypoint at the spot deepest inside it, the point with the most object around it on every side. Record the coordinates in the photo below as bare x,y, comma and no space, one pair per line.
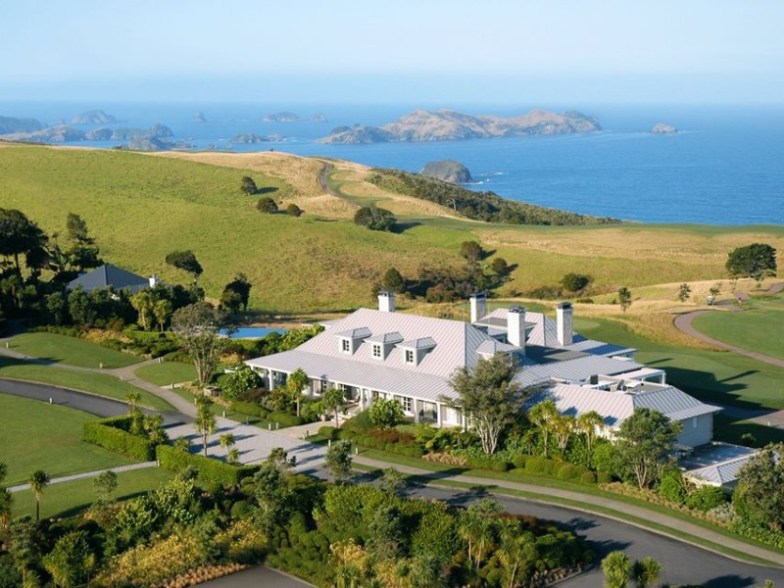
35,435
70,350
712,376
69,498
168,372
100,384
759,328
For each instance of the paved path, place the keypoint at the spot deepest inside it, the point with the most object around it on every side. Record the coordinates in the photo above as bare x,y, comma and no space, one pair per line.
587,501
94,474
683,322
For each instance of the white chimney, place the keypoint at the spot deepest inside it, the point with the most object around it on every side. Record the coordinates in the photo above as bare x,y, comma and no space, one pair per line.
386,301
515,326
563,313
478,306
153,281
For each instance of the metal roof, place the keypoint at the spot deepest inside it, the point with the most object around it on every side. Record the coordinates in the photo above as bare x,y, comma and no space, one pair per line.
109,275
387,338
360,333
421,343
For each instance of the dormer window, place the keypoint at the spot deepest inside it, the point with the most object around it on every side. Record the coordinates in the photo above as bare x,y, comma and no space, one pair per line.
351,340
377,352
410,356
414,350
345,346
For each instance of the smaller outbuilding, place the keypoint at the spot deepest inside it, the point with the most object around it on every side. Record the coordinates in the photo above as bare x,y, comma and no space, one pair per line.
112,276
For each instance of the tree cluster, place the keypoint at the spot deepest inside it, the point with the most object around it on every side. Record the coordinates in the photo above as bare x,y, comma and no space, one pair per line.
757,261
374,218
486,206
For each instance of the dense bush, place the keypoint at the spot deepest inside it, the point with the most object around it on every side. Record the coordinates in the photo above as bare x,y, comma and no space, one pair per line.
328,432
210,470
488,462
111,434
671,486
706,498
249,408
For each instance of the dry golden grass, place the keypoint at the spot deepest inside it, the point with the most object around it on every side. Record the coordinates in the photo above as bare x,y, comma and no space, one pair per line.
301,172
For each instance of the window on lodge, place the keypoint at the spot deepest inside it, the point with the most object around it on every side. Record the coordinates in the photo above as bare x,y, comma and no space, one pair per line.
345,346
377,351
409,356
405,403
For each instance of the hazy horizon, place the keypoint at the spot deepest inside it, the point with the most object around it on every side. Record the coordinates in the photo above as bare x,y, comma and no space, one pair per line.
428,52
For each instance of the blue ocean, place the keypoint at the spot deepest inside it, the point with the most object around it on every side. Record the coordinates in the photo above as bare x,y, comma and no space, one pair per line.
724,167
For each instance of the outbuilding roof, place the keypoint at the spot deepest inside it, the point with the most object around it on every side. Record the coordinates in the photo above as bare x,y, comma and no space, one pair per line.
109,275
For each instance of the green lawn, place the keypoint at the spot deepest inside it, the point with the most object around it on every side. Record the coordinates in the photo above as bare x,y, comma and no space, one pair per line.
168,372
37,436
100,384
70,350
758,328
712,376
69,498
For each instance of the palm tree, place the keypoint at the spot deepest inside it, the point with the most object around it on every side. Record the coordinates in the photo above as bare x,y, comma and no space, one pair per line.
162,310
563,426
5,499
516,549
227,442
38,481
234,455
205,420
617,568
333,400
542,415
646,572
133,400
478,528
589,423
143,302
296,384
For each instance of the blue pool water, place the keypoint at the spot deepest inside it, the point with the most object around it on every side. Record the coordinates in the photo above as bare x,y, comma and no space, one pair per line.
252,332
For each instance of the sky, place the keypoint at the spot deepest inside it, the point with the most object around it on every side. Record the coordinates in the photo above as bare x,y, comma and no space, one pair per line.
373,51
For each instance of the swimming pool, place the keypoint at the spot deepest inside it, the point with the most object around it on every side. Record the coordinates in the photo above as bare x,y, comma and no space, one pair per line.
252,332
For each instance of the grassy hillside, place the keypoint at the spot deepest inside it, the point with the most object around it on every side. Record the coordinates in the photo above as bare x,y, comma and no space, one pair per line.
140,207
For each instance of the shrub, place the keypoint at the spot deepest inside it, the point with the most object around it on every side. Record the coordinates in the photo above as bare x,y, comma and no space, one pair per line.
385,412
671,487
330,433
488,463
285,419
588,477
519,460
249,408
267,205
541,465
375,219
706,498
603,478
569,471
210,470
359,422
115,438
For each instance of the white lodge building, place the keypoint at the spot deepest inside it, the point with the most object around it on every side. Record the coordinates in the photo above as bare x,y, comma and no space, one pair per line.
373,353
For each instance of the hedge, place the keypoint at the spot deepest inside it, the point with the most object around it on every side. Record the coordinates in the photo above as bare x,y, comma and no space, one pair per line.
330,433
250,409
210,470
114,438
487,463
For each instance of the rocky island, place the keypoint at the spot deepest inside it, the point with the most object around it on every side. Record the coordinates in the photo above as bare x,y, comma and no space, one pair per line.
448,125
663,129
253,139
93,117
447,170
281,117
9,125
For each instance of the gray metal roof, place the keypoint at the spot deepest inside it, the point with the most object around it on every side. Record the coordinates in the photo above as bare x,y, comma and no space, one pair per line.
617,406
493,347
109,275
718,463
360,333
386,338
421,343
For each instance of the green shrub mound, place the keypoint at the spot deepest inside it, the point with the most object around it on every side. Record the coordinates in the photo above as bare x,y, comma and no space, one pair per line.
112,434
211,471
